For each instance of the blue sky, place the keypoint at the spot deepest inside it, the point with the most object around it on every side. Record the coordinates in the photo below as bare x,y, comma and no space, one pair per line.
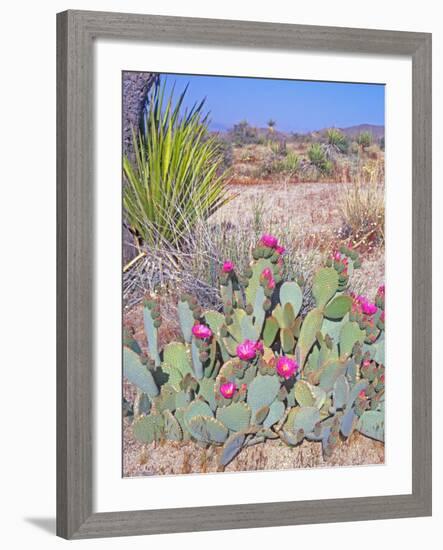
295,105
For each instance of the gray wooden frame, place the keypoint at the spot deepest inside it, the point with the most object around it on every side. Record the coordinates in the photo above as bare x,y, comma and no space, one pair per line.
76,31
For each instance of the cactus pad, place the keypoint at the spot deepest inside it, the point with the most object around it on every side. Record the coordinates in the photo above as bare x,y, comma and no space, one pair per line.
324,285
172,428
276,412
262,391
340,392
350,334
291,293
186,319
137,373
372,424
233,445
308,334
148,428
207,429
338,307
236,416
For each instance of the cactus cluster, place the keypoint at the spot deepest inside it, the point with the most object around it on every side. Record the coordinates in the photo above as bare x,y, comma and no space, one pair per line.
258,370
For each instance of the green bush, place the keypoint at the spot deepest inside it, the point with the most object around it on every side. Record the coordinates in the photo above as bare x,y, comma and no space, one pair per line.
337,140
175,178
243,133
318,158
365,139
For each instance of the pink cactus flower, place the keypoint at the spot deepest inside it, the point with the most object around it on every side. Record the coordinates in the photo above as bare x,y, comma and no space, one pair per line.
259,347
336,256
201,331
362,304
267,274
228,266
269,240
362,394
366,363
368,308
286,367
247,350
227,389
381,290
280,249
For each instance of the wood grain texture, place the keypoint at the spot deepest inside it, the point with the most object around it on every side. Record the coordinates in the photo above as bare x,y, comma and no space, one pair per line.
76,31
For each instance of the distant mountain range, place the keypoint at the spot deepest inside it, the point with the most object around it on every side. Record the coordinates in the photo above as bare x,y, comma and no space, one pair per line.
377,130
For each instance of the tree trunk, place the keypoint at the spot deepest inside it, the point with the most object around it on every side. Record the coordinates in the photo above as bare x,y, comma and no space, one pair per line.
135,90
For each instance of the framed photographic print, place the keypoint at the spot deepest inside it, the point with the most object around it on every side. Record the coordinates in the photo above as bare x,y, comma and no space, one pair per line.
244,274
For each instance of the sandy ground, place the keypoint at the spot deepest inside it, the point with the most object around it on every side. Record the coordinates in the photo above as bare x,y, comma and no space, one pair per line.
168,458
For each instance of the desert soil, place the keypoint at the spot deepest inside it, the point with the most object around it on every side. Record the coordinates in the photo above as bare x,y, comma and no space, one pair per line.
169,458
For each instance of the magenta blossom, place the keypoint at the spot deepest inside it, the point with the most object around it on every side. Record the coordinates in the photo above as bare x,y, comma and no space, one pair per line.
228,266
286,367
201,331
269,240
381,290
267,274
280,249
259,347
336,256
227,389
363,305
247,350
367,307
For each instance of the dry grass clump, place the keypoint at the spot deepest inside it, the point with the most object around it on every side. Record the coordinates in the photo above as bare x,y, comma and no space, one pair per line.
230,234
362,207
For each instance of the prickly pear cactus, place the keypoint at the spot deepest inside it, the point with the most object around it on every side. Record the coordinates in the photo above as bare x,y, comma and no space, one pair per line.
260,370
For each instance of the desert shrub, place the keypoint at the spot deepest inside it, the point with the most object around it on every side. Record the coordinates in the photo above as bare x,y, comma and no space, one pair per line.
382,143
354,148
259,369
174,180
337,139
373,151
225,149
278,147
243,133
262,139
362,208
291,163
318,158
365,139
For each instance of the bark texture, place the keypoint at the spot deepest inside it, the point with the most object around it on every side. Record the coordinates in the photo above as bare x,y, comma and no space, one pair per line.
135,90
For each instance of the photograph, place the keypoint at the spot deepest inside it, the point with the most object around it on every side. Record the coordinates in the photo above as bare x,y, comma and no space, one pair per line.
253,274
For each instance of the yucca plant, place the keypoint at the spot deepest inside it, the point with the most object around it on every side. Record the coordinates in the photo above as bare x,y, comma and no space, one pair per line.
318,158
365,139
291,163
337,140
176,178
